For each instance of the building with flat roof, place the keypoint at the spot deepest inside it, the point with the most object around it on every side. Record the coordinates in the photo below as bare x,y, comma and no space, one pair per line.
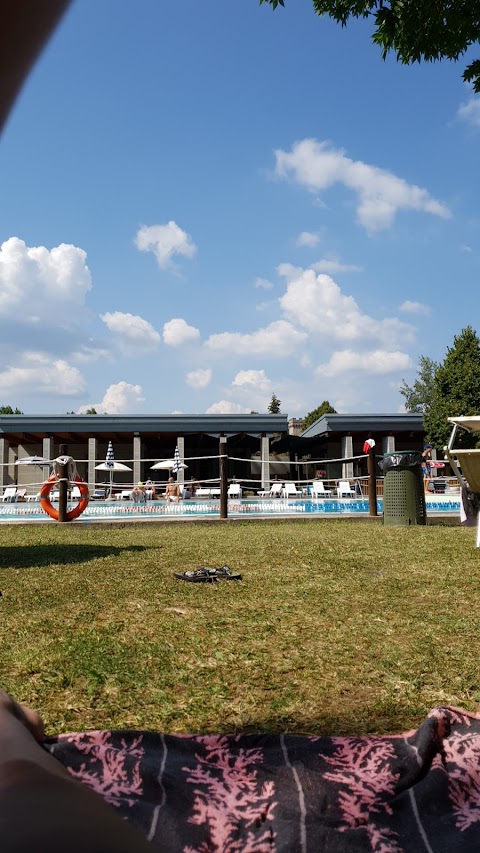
258,446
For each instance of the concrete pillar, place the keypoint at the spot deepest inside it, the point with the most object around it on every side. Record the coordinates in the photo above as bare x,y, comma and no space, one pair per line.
347,450
181,453
92,461
265,462
137,457
388,444
4,448
47,453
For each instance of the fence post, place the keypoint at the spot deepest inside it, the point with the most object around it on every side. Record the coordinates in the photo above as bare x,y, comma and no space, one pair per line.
63,486
223,477
372,482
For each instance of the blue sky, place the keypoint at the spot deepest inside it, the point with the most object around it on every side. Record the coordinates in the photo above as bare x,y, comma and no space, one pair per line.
203,203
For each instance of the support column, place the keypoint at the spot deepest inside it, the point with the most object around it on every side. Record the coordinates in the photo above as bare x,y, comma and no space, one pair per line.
4,448
347,450
47,453
265,462
388,444
92,458
181,453
137,456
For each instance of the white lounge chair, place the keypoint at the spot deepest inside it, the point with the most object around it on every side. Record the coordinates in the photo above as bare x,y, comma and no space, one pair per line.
234,490
290,491
344,490
276,490
10,494
202,493
319,490
469,462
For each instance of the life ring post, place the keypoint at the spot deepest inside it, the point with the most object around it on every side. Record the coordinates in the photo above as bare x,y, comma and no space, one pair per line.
63,486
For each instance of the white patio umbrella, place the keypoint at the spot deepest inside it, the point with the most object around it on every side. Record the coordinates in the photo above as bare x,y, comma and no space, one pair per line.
33,460
111,465
168,465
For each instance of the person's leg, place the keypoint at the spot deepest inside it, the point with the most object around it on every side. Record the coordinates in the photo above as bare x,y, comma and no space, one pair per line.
41,807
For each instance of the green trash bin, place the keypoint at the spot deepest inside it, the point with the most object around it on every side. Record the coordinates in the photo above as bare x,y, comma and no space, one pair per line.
403,491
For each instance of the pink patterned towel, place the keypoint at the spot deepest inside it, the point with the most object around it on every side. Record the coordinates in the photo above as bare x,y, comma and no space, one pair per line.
412,793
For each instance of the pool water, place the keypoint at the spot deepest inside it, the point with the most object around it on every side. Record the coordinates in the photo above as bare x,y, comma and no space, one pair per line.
100,510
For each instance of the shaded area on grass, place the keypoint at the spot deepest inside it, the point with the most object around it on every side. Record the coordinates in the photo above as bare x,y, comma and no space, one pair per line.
33,556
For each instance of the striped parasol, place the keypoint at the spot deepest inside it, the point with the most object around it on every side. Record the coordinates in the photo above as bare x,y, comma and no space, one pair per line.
110,458
177,464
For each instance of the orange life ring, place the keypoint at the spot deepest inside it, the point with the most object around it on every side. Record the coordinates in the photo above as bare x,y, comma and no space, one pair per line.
53,511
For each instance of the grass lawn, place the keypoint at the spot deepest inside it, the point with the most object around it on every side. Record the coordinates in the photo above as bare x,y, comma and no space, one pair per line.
337,626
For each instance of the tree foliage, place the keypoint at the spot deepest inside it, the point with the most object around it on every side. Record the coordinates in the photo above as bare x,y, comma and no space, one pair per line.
324,408
415,30
91,411
419,396
274,405
456,390
7,410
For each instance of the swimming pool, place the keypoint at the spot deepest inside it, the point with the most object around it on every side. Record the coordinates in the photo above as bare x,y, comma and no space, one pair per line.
104,510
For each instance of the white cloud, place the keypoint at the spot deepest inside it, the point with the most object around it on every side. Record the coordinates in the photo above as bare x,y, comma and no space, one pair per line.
470,111
226,407
89,354
118,399
263,283
277,340
310,239
177,332
38,285
466,248
165,241
318,166
199,378
39,374
373,362
409,307
133,334
334,265
252,379
317,304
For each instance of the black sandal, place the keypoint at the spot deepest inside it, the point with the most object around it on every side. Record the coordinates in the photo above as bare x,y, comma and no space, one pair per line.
226,574
198,576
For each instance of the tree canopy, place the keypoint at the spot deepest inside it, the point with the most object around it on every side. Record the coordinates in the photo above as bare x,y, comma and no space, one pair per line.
415,30
419,397
274,405
7,410
456,390
324,408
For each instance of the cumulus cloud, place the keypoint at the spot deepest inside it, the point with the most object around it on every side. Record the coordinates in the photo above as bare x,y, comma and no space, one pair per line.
166,242
89,354
277,340
199,378
226,407
334,265
372,362
252,379
317,304
133,334
310,239
263,283
40,285
469,111
177,332
409,307
38,374
120,398
381,194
